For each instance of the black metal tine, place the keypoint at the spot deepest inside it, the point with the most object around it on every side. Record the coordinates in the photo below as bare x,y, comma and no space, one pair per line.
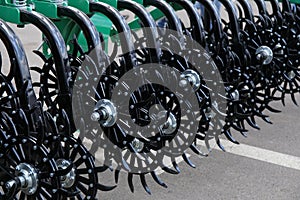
188,161
158,180
130,182
144,183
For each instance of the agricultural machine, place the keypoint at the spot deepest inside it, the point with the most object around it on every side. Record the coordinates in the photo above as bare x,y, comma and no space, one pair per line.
131,86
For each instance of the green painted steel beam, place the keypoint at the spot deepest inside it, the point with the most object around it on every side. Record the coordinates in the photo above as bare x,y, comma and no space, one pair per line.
10,12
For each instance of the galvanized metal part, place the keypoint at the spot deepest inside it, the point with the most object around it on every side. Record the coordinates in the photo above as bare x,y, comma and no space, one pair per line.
264,54
68,180
105,112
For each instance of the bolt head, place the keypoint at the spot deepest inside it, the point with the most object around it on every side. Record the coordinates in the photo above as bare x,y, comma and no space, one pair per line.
95,116
183,83
137,145
291,74
264,54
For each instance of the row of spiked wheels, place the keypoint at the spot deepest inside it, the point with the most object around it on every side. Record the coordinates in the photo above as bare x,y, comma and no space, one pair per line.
117,93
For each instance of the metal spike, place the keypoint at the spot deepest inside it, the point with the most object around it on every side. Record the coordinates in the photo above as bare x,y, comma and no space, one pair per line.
1,61
158,180
41,55
125,165
176,167
252,123
67,193
104,187
197,151
272,109
229,137
117,174
238,127
144,183
220,145
188,161
200,137
266,119
24,122
51,120
66,123
101,169
168,170
37,69
130,183
294,99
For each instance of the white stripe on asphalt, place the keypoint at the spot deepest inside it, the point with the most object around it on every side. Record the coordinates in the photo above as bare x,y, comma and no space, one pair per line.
264,155
260,154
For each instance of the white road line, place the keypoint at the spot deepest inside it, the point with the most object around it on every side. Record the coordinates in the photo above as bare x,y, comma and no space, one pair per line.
264,155
260,154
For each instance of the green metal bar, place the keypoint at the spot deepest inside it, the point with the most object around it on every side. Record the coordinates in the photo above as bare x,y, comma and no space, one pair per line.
295,1
10,12
102,23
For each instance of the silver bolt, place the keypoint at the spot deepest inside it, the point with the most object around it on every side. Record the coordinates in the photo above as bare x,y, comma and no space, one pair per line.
108,111
183,83
291,74
235,95
264,54
10,184
95,116
27,177
68,180
209,113
171,124
137,145
192,77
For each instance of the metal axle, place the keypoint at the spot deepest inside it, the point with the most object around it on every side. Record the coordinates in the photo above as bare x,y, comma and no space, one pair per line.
190,76
105,113
26,179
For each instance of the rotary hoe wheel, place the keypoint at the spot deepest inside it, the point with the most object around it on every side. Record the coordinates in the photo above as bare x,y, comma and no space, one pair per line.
94,93
26,170
165,90
289,29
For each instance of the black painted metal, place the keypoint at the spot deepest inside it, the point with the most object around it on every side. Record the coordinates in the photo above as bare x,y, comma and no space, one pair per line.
122,28
195,20
151,30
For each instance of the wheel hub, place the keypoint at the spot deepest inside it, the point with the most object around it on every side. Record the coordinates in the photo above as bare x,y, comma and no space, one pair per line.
264,54
68,180
171,124
190,76
137,145
105,112
291,75
26,179
235,95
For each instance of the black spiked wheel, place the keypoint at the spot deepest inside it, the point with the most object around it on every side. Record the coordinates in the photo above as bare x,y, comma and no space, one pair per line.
77,169
48,83
83,173
289,84
92,87
23,158
265,73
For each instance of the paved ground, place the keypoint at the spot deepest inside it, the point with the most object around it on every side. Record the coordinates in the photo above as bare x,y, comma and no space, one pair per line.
224,175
